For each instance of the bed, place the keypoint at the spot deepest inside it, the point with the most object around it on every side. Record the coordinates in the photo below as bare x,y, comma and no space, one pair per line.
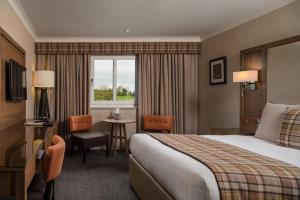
157,171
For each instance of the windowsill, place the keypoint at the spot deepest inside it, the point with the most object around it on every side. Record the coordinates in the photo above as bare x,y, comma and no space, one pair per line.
113,106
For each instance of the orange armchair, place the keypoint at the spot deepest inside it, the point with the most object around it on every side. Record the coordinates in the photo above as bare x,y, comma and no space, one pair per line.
54,159
158,123
83,137
42,187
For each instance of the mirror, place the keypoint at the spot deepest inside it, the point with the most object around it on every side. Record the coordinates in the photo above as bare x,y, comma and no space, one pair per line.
283,74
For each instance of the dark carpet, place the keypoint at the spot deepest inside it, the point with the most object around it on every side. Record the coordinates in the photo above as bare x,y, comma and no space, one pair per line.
100,178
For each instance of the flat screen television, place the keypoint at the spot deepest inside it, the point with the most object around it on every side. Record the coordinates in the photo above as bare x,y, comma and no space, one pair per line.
16,89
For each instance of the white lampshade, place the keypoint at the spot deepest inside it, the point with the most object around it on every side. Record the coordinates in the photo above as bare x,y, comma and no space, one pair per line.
43,79
245,76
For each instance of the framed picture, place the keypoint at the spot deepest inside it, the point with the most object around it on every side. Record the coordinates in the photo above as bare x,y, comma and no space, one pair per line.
218,71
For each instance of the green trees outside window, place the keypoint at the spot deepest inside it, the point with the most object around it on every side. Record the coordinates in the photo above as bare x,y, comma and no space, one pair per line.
123,93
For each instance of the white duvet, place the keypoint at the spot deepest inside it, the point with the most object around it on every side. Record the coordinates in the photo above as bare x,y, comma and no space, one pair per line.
186,178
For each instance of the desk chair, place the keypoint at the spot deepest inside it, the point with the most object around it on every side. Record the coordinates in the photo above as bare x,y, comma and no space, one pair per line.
158,123
83,137
42,187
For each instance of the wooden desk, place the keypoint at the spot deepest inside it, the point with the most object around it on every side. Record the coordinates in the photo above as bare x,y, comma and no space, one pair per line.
18,162
232,131
121,125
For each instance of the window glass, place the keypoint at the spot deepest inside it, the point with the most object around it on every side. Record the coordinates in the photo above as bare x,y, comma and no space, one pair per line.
103,80
125,80
113,80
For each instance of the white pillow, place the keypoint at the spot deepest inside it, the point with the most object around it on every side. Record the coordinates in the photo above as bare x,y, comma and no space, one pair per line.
271,121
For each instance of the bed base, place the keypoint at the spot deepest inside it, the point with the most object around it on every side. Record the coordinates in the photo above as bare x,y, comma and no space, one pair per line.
145,186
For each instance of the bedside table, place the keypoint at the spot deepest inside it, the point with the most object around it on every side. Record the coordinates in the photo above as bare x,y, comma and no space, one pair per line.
232,131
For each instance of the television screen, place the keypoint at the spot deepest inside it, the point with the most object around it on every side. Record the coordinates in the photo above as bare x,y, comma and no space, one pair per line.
15,81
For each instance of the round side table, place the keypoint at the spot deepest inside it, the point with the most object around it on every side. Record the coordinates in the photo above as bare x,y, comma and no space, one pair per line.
118,131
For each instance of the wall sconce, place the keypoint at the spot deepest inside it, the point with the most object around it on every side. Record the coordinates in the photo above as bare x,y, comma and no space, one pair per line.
248,78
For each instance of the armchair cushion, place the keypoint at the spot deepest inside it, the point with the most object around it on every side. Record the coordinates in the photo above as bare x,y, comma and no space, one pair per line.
80,123
158,123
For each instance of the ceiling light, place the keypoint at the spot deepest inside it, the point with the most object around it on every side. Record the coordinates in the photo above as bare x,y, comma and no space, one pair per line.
127,30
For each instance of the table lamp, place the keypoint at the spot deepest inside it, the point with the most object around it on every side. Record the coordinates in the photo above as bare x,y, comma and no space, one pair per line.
248,78
43,79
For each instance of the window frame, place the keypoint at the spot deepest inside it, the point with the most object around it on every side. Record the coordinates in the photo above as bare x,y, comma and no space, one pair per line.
114,102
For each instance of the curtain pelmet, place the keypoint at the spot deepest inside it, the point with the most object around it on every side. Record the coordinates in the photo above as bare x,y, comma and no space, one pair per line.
117,48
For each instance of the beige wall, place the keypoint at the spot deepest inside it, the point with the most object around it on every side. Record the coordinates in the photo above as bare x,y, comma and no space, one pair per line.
11,23
219,104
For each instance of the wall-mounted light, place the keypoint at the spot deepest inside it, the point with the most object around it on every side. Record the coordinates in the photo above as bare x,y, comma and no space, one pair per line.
248,78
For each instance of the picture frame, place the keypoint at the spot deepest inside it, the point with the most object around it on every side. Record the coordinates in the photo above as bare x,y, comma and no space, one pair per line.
218,71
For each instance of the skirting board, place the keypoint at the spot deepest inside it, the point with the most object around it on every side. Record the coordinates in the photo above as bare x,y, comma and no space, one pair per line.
146,187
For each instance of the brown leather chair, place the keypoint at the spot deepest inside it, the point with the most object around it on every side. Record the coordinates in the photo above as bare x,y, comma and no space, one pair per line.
158,123
83,137
42,187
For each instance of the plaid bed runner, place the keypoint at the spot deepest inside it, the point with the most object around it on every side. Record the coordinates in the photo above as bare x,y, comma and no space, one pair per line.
240,174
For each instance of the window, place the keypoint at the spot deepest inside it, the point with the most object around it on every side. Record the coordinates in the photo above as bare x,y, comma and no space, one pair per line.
113,80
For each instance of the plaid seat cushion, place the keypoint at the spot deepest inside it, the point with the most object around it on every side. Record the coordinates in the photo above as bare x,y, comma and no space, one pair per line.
290,130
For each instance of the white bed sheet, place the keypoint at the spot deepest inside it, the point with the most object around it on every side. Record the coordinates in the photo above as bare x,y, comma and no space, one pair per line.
186,178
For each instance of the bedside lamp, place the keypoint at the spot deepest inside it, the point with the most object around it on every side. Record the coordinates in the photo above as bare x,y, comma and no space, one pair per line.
248,78
43,79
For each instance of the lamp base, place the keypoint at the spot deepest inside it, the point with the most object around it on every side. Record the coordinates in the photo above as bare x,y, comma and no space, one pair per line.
42,119
44,111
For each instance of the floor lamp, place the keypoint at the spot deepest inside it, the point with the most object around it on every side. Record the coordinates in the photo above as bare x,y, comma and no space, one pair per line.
43,80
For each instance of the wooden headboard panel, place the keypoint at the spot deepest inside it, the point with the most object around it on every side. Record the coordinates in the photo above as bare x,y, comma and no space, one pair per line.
253,102
10,113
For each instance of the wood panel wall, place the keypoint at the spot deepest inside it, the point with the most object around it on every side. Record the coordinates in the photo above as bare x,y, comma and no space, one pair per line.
253,102
10,113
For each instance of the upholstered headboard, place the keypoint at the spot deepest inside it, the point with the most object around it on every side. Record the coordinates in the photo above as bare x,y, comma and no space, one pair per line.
275,84
283,74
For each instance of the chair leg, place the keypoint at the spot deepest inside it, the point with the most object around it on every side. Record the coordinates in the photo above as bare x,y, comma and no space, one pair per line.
72,148
83,154
107,148
53,186
49,192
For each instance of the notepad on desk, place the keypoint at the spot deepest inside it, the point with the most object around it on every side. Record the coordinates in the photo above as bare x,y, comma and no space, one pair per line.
34,123
38,123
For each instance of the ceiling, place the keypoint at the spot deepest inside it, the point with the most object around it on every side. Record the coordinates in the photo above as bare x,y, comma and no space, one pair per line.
111,18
